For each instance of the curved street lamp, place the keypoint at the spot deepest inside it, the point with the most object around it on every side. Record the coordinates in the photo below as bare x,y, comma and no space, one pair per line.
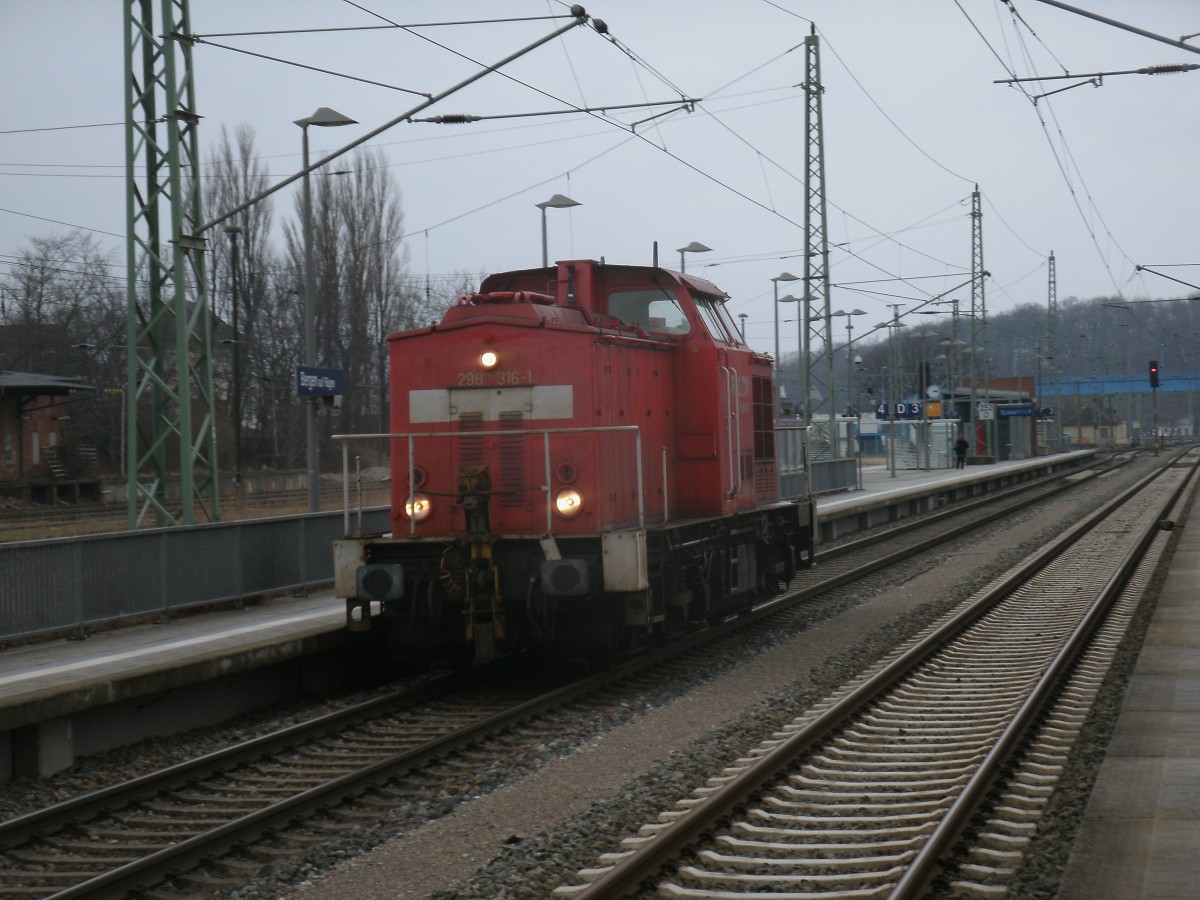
782,276
693,247
558,201
324,117
849,354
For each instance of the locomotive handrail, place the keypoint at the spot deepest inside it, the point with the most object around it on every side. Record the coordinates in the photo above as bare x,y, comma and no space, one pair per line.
411,436
734,433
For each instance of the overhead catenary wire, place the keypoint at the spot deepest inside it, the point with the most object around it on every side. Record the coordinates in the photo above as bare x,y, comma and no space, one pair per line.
662,149
495,67
762,157
754,187
61,127
310,68
344,28
1055,153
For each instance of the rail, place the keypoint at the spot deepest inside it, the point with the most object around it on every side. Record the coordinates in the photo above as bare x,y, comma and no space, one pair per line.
634,871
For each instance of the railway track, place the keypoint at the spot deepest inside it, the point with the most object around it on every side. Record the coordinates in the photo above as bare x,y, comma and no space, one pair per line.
155,828
927,775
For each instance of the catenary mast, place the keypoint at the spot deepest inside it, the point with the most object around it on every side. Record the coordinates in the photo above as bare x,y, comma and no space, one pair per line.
816,387
169,386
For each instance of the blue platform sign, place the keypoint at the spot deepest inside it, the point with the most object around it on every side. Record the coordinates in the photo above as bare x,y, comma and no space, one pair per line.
1015,410
313,382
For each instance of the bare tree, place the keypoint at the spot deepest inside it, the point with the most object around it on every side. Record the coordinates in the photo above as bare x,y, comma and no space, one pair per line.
263,334
60,291
362,292
62,313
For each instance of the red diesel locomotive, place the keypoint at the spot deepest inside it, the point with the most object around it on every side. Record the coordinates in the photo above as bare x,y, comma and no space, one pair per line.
583,458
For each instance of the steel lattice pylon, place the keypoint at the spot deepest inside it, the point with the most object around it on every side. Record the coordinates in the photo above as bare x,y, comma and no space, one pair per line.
980,375
1053,351
169,373
816,385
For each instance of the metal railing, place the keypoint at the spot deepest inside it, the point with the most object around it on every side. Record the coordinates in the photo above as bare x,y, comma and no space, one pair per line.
70,584
807,467
410,439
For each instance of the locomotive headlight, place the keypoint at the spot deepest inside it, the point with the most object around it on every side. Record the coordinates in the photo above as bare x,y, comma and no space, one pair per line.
418,507
568,503
488,359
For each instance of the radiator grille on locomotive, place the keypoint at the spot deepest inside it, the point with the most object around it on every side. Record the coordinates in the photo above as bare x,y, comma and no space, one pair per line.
470,449
512,459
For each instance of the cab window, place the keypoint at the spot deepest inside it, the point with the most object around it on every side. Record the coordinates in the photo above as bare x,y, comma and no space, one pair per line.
716,319
653,311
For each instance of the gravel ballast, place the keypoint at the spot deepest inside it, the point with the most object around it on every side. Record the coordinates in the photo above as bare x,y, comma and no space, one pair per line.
533,834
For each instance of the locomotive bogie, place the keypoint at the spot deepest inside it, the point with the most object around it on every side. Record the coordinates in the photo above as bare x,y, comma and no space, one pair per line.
588,595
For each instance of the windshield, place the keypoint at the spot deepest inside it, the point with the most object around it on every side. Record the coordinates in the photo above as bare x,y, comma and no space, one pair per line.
654,311
716,319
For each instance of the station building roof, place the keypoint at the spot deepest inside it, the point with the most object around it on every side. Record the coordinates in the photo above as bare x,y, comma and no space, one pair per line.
33,384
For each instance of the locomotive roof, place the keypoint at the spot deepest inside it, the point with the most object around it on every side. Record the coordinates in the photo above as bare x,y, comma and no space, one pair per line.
549,276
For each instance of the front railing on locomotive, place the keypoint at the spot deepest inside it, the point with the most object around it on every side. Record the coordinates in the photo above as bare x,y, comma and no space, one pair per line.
410,439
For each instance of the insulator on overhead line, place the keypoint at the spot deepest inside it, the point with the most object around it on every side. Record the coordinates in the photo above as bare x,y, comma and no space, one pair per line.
454,119
1168,69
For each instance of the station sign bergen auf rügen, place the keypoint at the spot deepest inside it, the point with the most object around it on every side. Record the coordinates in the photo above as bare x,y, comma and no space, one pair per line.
313,382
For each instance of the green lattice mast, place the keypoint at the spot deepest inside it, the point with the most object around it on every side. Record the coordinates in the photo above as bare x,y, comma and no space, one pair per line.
816,387
1053,350
168,393
980,375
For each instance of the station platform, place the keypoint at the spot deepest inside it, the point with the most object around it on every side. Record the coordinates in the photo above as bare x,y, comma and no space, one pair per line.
888,493
63,699
1140,836
68,698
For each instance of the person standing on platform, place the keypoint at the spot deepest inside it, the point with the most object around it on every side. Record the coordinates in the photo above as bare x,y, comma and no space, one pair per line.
960,452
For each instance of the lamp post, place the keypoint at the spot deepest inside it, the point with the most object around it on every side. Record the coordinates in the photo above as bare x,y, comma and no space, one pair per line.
849,354
122,409
233,231
693,247
742,316
923,364
782,276
800,380
325,118
893,384
953,347
558,201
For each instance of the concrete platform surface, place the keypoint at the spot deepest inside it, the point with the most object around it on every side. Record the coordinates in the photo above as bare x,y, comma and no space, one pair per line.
39,679
1140,836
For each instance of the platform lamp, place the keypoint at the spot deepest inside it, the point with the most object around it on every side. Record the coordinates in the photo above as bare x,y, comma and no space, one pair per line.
849,353
325,118
233,231
558,201
693,247
892,325
782,276
799,348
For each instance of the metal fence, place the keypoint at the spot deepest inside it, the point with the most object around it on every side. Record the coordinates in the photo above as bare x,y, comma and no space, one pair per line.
69,584
806,463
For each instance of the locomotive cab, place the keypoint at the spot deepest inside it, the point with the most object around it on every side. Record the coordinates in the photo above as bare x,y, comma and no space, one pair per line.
583,458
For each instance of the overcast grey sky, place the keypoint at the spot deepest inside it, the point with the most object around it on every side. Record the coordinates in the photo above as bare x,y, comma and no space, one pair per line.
1103,176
